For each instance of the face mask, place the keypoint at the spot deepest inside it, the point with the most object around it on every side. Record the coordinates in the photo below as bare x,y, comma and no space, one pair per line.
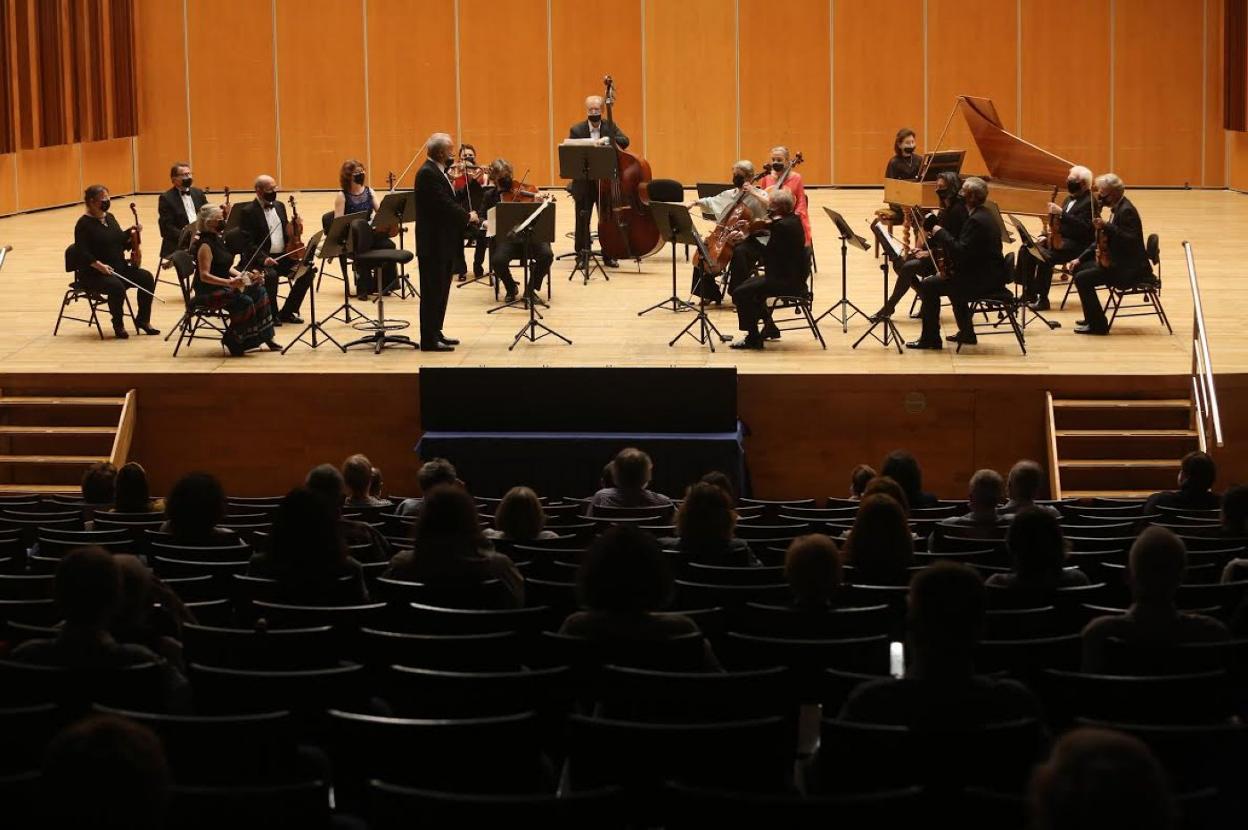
105,205
942,194
909,151
738,180
777,166
504,183
358,178
270,196
594,119
1074,186
186,181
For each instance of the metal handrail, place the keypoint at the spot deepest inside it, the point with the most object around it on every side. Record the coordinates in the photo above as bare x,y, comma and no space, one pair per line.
1205,412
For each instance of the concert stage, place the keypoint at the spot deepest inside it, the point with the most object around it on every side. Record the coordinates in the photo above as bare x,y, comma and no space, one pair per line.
262,419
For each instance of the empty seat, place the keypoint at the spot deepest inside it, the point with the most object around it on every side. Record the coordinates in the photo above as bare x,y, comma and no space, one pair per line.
497,651
1027,658
431,693
429,619
22,586
395,807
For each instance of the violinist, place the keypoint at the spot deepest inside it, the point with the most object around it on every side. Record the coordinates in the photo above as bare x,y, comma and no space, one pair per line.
744,255
585,194
178,207
792,183
905,165
470,181
355,196
266,229
220,286
919,265
1128,262
507,189
101,246
787,270
1074,216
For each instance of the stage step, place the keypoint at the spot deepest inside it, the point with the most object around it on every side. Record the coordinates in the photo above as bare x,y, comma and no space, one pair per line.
48,440
39,489
1126,443
19,400
1107,494
7,429
39,460
1121,414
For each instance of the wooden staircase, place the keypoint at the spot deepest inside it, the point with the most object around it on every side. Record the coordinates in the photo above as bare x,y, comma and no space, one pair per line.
1117,448
48,441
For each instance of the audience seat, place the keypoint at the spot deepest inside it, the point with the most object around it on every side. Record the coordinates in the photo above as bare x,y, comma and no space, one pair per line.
790,622
430,693
497,651
302,804
1205,697
27,730
279,649
690,808
395,807
430,619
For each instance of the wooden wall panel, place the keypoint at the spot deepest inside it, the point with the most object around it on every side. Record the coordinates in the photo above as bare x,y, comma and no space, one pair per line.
8,183
580,61
162,93
49,176
1051,68
1214,172
874,97
321,90
971,50
691,131
785,83
403,111
234,127
505,105
1157,93
1237,152
109,162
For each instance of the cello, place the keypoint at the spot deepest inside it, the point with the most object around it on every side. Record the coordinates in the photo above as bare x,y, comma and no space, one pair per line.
626,230
718,245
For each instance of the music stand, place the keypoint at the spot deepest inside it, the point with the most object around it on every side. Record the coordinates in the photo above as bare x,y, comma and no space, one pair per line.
843,305
398,209
676,226
537,224
1033,247
892,253
500,221
587,163
305,270
707,190
335,247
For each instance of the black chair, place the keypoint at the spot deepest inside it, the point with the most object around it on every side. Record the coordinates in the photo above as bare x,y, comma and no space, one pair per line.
369,262
998,308
22,586
730,575
808,658
306,693
303,804
432,693
78,292
394,807
1028,658
277,649
586,656
488,594
802,307
787,621
702,595
192,553
696,697
687,808
428,619
498,651
58,542
139,686
1174,699
1148,290
30,611
196,318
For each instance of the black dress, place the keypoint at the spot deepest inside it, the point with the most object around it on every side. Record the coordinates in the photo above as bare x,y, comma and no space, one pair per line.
251,316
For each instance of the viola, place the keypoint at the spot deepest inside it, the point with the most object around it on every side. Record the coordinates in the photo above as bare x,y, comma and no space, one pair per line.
1103,259
626,228
718,244
226,206
294,243
1055,225
136,240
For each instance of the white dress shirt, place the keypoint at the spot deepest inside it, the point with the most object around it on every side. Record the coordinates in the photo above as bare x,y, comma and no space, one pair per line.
277,240
188,205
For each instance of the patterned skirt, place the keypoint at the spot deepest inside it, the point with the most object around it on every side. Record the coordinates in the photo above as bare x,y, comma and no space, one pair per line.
251,315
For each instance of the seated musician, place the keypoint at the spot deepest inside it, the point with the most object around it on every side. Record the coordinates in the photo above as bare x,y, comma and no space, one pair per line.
220,286
1128,260
101,245
978,269
748,253
470,182
951,215
1075,216
585,194
504,250
904,164
266,228
792,183
786,273
354,196
178,207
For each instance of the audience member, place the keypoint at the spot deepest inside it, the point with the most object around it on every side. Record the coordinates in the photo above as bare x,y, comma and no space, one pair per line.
721,481
519,517
451,550
859,477
366,542
1235,512
631,471
99,485
606,478
1197,472
433,473
879,545
984,521
1038,550
1097,779
375,484
307,556
947,609
705,529
194,509
131,491
903,468
1154,570
888,487
812,567
357,475
1024,483
148,612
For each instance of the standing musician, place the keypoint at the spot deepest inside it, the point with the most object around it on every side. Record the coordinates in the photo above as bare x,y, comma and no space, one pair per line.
101,245
440,223
470,182
221,286
264,223
585,194
1128,261
792,183
1075,218
915,268
178,207
503,250
786,273
978,264
354,196
744,255
905,165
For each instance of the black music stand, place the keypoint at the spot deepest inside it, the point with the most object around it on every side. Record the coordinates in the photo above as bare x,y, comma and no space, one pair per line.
843,305
306,270
892,253
537,224
501,220
335,247
587,163
676,226
398,209
1029,242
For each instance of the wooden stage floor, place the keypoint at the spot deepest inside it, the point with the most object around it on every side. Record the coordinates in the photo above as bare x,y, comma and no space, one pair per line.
601,317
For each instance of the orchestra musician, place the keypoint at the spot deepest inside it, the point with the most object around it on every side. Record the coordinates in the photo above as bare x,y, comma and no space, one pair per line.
979,269
1128,264
266,228
585,194
470,181
792,183
1075,216
744,255
440,223
904,164
220,286
951,216
502,174
178,207
355,196
786,272
101,245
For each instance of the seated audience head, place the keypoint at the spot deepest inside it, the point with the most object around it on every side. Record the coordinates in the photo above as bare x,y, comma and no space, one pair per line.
357,474
859,478
136,593
721,481
132,493
887,487
631,469
1197,472
1235,511
985,491
104,773
519,516
903,468
305,536
326,482
946,613
99,483
436,472
195,505
812,567
1155,566
624,572
1097,779
706,517
879,544
1024,483
448,524
375,483
87,587
607,479
1036,545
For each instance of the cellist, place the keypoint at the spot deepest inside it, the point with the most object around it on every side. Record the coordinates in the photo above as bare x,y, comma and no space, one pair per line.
585,195
745,255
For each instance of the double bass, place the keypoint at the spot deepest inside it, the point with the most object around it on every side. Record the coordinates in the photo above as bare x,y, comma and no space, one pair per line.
626,229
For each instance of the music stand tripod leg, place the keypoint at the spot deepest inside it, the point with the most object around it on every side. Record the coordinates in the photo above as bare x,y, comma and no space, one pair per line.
840,310
313,325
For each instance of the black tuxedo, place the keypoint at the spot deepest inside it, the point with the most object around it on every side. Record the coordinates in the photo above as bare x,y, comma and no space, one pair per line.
978,270
172,216
1036,277
255,227
440,223
787,267
1128,258
585,194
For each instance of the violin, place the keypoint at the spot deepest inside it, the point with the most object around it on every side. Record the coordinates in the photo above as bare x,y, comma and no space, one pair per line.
1055,225
1103,259
225,206
521,192
136,240
294,243
718,244
940,259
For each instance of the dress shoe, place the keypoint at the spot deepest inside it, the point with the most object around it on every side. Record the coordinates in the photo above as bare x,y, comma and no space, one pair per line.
611,263
478,272
290,317
752,342
437,347
147,329
771,333
536,299
883,314
450,341
121,334
935,345
273,345
1086,329
1041,304
964,339
461,277
509,297
277,322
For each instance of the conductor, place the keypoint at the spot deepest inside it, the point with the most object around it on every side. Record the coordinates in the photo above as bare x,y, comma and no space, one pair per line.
585,194
440,223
